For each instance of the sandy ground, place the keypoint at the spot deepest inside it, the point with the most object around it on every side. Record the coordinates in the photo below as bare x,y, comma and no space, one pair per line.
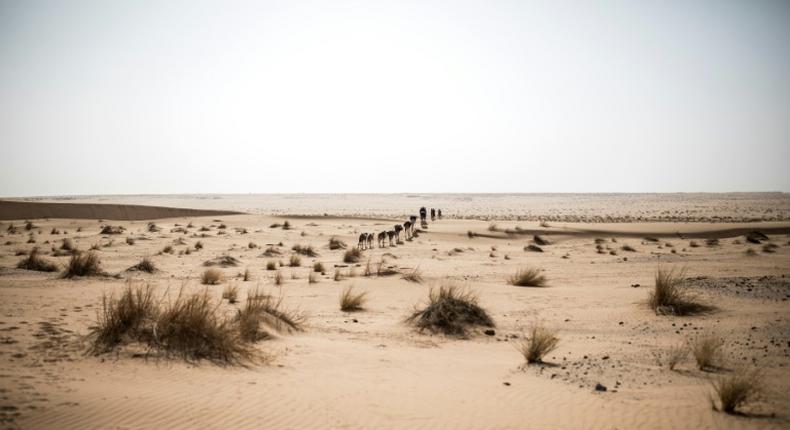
371,370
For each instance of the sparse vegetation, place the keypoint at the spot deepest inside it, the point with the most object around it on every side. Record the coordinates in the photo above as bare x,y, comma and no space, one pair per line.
770,248
247,275
278,278
286,225
318,267
128,316
706,349
83,264
351,301
539,240
231,293
338,276
271,265
739,388
211,277
34,262
532,247
352,255
67,245
129,240
450,310
676,355
145,265
529,277
108,229
335,243
414,276
628,248
198,245
168,249
671,297
263,313
540,342
295,261
312,278
304,250
222,261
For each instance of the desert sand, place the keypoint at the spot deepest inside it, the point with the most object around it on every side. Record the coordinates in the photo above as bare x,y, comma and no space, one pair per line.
370,369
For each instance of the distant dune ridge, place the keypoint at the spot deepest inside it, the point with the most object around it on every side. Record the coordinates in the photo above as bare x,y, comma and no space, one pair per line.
16,210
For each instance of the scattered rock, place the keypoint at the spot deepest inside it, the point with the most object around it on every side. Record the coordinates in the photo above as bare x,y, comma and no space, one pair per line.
489,332
600,387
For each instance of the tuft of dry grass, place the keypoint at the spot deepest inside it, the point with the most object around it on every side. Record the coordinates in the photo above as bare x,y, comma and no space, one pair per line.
263,314
198,245
312,278
145,265
538,343
739,388
335,243
129,240
529,277
351,301
191,327
318,267
750,252
450,310
352,255
286,225
671,297
211,277
231,293
34,262
247,275
770,248
414,276
307,251
367,272
278,278
222,261
295,261
676,355
628,248
128,316
338,276
83,264
67,245
271,265
706,349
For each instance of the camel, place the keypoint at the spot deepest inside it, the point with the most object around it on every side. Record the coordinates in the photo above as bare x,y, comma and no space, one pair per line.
433,214
381,237
439,213
390,235
407,230
423,214
370,240
398,229
363,239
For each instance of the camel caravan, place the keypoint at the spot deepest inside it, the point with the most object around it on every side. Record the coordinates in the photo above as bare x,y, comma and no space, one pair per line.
392,237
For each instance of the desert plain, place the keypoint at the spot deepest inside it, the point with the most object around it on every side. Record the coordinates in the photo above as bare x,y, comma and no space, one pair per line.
372,368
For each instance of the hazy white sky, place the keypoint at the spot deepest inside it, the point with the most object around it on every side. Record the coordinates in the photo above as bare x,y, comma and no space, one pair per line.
104,96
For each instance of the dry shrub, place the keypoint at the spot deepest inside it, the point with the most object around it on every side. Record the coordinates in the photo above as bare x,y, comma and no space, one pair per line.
539,240
693,244
263,314
126,317
271,252
286,225
271,265
540,342
247,276
450,310
671,297
252,245
295,261
278,278
770,248
628,248
230,293
351,301
312,278
532,247
83,264
211,277
529,277
192,328
129,240
676,355
706,349
307,251
67,245
367,271
750,252
318,267
338,276
107,229
222,261
34,262
335,243
414,276
352,255
198,245
739,388
145,265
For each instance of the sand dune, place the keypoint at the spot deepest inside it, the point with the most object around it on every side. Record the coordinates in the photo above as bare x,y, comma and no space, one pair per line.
22,210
